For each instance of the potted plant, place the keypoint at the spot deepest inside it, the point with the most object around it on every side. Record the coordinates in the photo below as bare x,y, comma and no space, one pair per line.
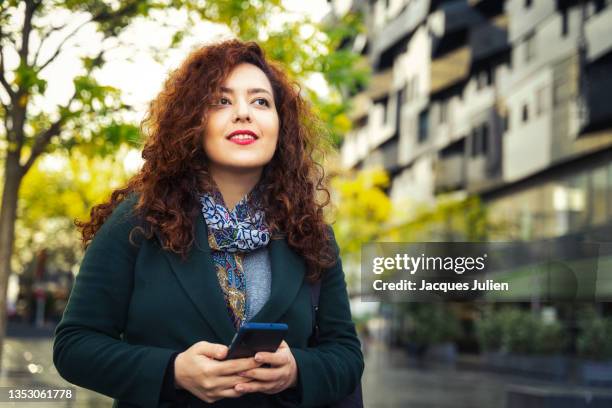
435,327
519,340
595,347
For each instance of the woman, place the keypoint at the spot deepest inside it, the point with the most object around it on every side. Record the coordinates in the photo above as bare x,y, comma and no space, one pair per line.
219,228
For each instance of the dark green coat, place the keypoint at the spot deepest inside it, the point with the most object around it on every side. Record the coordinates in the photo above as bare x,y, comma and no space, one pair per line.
132,307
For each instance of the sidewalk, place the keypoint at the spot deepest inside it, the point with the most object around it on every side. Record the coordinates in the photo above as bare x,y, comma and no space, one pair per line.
28,361
392,379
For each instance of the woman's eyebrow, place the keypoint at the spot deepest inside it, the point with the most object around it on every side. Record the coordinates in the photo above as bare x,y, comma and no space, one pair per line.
249,91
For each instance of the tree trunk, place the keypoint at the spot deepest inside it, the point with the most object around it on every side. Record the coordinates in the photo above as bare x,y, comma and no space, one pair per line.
8,215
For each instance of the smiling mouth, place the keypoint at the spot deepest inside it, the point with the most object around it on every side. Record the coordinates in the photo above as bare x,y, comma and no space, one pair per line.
242,139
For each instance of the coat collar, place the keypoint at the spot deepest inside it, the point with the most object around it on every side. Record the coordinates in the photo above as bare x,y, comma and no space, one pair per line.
198,278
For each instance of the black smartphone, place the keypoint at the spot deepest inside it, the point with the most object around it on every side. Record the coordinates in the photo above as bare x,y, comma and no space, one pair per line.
254,337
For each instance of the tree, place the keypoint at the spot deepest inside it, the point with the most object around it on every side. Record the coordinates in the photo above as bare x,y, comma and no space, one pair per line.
91,120
365,210
55,191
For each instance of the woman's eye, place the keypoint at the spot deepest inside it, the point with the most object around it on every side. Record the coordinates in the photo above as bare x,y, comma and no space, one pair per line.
262,102
224,101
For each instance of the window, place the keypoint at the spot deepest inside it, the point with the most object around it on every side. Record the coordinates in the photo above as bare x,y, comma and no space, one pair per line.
479,140
525,113
484,78
423,125
398,110
529,45
599,187
484,135
384,101
564,22
475,142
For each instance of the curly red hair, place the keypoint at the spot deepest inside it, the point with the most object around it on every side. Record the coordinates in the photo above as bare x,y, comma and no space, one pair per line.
174,172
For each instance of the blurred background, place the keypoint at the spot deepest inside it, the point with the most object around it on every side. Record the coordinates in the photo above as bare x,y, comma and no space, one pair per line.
459,120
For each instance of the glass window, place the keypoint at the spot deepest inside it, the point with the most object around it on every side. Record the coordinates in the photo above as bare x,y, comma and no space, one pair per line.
564,22
610,191
599,182
423,125
577,188
485,138
474,142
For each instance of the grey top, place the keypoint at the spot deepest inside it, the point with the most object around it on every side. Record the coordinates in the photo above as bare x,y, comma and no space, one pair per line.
258,275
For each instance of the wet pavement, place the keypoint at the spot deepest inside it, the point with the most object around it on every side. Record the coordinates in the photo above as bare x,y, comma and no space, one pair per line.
28,363
391,379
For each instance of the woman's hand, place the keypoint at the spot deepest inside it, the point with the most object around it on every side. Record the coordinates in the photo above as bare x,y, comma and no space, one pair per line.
198,370
281,374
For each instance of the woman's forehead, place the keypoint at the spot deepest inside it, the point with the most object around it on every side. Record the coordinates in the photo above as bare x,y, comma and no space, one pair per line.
246,78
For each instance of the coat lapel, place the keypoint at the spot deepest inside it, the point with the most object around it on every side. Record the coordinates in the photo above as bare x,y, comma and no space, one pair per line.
199,280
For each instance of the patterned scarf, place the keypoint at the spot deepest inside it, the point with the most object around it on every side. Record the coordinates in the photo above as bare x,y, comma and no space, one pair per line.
231,235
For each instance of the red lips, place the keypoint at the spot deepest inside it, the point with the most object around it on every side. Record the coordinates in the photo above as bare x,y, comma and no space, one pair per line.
242,132
239,141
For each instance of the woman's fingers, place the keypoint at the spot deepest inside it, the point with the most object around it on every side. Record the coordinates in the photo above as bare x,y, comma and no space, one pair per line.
235,366
211,397
264,374
210,350
221,383
256,386
279,358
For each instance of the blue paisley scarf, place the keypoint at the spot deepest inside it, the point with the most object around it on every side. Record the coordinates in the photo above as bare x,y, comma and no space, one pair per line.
231,235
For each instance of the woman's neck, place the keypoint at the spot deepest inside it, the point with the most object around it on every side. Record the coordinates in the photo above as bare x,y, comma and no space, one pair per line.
233,184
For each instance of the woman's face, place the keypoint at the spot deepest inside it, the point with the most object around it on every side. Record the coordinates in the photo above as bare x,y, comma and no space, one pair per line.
242,126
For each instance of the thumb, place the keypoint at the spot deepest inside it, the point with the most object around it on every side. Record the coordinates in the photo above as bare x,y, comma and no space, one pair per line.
211,350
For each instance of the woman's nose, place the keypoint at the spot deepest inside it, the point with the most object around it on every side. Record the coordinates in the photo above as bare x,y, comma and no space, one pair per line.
242,111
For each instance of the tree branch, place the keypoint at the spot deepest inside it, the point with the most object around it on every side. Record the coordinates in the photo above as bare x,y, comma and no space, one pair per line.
61,45
5,118
41,143
44,37
3,80
42,139
25,32
100,17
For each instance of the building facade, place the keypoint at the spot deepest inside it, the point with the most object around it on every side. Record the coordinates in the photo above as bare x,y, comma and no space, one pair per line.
507,100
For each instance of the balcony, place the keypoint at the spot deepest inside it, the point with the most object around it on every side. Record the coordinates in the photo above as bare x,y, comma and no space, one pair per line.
396,29
450,69
489,38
